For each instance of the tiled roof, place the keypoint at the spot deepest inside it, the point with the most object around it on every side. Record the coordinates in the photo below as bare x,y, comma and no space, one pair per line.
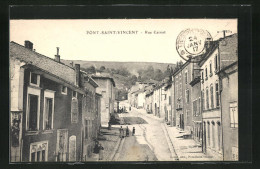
43,62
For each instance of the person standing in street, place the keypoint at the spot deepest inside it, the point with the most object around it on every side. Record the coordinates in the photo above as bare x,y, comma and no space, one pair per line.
127,131
121,132
133,132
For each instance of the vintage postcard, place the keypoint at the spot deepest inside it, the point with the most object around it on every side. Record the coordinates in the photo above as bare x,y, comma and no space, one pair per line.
113,90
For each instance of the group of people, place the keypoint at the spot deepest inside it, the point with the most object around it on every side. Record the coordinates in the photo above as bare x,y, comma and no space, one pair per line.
122,110
121,132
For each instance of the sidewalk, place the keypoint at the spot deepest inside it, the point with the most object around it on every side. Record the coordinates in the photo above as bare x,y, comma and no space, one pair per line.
110,143
187,149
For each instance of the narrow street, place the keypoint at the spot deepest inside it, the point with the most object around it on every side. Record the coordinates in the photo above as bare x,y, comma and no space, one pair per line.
153,141
149,143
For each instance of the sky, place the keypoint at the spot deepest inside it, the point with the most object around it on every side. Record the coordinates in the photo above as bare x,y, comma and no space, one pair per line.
75,41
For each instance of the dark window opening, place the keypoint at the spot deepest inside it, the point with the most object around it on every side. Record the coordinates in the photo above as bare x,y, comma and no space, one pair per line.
74,94
217,95
64,89
43,155
207,98
33,109
49,105
33,157
210,69
216,62
211,96
34,78
38,156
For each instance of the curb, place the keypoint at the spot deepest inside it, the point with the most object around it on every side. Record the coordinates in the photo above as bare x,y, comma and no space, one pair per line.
118,149
115,150
169,142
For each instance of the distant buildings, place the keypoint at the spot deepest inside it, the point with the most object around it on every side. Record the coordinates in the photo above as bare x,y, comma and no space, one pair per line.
54,108
201,99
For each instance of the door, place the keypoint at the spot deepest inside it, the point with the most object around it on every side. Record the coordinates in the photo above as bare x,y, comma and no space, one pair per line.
62,142
72,148
181,121
204,149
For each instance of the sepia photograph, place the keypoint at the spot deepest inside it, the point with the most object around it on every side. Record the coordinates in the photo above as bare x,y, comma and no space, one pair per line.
122,90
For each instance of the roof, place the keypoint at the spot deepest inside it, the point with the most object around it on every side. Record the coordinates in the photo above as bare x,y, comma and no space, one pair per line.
64,72
151,81
213,47
104,77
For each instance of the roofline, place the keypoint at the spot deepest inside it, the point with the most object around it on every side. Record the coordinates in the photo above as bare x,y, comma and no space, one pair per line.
103,77
205,58
181,68
41,55
93,83
57,77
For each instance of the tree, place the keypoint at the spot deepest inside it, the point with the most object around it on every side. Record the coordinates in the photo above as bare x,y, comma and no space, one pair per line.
158,75
91,70
102,68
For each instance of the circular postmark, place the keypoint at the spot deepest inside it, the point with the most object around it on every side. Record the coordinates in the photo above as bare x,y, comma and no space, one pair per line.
192,43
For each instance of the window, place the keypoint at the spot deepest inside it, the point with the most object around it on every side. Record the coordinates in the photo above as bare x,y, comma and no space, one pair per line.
211,96
74,110
210,69
216,62
217,94
170,100
74,94
207,98
34,79
202,100
88,133
39,152
219,135
206,73
213,134
48,113
196,107
187,96
64,90
233,115
202,77
33,109
186,77
208,133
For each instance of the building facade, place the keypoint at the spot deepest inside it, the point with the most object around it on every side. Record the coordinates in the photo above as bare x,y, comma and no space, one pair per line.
107,90
46,107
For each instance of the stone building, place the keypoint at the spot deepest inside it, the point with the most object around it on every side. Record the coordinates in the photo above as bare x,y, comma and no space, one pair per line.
229,104
107,90
228,89
46,103
196,104
221,54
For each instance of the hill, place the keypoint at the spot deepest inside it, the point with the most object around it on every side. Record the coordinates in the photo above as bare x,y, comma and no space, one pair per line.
132,67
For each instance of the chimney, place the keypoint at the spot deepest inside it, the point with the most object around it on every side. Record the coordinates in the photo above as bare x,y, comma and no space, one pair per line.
77,72
28,45
71,64
57,57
